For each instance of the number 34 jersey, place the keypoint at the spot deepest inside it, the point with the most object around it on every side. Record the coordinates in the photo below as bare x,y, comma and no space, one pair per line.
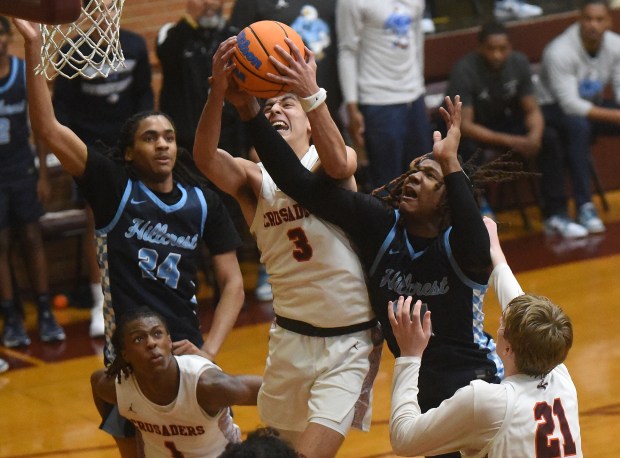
315,275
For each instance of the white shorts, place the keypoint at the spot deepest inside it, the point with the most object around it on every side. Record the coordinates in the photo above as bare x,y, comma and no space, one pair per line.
310,378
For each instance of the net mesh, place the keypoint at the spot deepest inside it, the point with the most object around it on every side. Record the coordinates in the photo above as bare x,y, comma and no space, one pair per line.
89,47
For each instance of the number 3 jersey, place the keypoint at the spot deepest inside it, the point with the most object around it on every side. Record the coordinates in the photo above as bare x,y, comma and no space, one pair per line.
315,275
149,245
181,428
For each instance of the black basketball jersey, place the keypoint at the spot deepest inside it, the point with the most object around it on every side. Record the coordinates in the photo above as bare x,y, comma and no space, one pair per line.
149,254
15,152
433,276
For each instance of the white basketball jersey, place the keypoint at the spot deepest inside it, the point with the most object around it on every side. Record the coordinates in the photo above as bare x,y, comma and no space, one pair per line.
181,428
315,275
542,418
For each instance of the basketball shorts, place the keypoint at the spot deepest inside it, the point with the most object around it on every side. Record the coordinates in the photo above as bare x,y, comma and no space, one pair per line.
322,378
19,203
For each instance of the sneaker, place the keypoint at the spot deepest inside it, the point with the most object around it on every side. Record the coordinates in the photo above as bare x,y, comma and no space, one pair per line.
49,330
14,334
564,226
515,9
428,26
263,292
589,219
263,288
97,327
4,366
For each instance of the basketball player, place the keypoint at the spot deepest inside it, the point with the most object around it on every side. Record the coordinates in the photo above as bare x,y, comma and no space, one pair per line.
22,190
151,212
317,381
428,241
533,412
180,404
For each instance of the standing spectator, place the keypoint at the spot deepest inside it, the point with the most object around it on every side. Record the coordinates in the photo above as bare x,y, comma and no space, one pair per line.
576,67
381,63
151,212
157,390
95,109
21,193
322,354
533,412
185,50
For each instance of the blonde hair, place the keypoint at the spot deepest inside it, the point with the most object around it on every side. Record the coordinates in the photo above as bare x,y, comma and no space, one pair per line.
540,334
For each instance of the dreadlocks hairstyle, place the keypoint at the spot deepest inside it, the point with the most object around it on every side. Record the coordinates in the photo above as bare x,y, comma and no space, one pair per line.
507,167
119,366
184,171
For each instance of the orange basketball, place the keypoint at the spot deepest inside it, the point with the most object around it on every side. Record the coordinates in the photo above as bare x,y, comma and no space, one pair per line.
255,44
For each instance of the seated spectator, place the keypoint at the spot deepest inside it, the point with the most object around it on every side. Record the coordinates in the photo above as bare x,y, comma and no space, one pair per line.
576,67
500,111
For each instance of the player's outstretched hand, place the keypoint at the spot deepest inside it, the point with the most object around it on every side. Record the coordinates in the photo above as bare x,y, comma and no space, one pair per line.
412,336
298,73
445,150
185,347
497,255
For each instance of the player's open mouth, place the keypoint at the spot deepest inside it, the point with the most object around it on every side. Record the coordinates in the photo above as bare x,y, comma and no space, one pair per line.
279,125
410,192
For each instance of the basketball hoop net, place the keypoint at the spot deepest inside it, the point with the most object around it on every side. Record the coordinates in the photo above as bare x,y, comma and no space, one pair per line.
89,47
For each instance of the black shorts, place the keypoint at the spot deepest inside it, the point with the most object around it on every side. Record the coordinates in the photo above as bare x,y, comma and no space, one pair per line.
19,203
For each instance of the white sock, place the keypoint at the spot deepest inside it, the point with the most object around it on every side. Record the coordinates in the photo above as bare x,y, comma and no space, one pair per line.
97,293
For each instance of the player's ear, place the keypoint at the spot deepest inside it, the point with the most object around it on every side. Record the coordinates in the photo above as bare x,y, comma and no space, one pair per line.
128,156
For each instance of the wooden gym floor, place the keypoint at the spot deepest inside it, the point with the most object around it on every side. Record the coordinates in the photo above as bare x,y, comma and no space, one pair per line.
46,409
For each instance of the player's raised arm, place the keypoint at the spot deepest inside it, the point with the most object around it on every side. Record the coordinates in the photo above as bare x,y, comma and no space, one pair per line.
231,175
62,141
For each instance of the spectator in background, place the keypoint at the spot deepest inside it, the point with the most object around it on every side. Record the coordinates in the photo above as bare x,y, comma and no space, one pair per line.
576,67
95,109
500,111
315,21
185,50
21,193
381,63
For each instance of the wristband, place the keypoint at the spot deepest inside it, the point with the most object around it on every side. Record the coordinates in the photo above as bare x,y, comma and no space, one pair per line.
310,103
